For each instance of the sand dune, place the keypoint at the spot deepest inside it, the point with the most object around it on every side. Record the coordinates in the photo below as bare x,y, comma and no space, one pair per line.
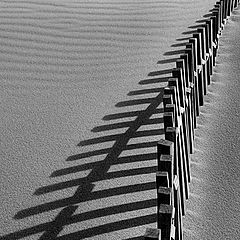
80,113
213,208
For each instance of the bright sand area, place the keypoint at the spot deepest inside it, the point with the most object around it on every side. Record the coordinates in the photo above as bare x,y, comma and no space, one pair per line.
213,209
80,116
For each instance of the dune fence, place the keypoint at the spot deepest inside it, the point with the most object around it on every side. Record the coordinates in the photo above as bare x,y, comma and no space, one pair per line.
182,100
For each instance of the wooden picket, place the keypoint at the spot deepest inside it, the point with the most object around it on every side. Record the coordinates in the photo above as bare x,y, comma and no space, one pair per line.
182,100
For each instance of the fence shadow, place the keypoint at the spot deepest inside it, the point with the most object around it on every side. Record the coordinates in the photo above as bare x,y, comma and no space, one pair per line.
146,118
99,170
141,127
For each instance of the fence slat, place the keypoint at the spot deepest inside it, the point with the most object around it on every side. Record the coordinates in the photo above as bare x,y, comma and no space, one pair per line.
178,214
183,120
152,233
197,36
162,179
165,220
193,47
206,73
181,101
166,164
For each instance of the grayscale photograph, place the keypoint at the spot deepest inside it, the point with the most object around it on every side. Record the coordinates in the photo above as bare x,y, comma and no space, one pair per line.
119,119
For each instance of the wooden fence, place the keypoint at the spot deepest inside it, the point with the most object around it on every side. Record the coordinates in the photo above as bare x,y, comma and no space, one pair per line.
182,100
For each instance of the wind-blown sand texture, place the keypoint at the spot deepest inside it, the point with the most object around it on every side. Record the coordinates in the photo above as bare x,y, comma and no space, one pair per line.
213,210
81,114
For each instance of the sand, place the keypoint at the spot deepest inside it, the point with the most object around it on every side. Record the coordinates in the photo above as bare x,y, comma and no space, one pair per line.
213,207
81,87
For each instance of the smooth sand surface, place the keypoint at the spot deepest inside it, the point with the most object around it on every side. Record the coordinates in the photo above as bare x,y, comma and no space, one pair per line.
213,210
81,113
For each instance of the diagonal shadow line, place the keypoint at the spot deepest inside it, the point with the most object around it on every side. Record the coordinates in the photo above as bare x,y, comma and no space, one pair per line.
160,72
68,211
189,32
122,115
85,187
121,160
110,227
144,91
135,102
128,207
179,44
84,191
117,137
207,15
88,154
76,198
82,217
154,80
108,138
201,20
171,60
142,145
110,175
148,133
196,26
128,114
108,127
175,52
182,39
107,150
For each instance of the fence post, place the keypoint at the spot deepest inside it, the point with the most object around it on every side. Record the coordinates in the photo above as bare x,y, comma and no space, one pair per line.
172,134
165,147
216,13
207,53
184,57
197,36
203,58
172,82
166,164
225,10
192,83
193,47
232,6
218,7
165,153
171,90
216,27
215,39
183,138
182,100
168,119
236,4
190,118
165,221
170,108
164,195
162,179
167,99
178,213
222,9
210,36
189,102
178,74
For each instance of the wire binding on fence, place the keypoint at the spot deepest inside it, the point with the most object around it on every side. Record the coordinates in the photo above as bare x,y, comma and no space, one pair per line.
182,100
